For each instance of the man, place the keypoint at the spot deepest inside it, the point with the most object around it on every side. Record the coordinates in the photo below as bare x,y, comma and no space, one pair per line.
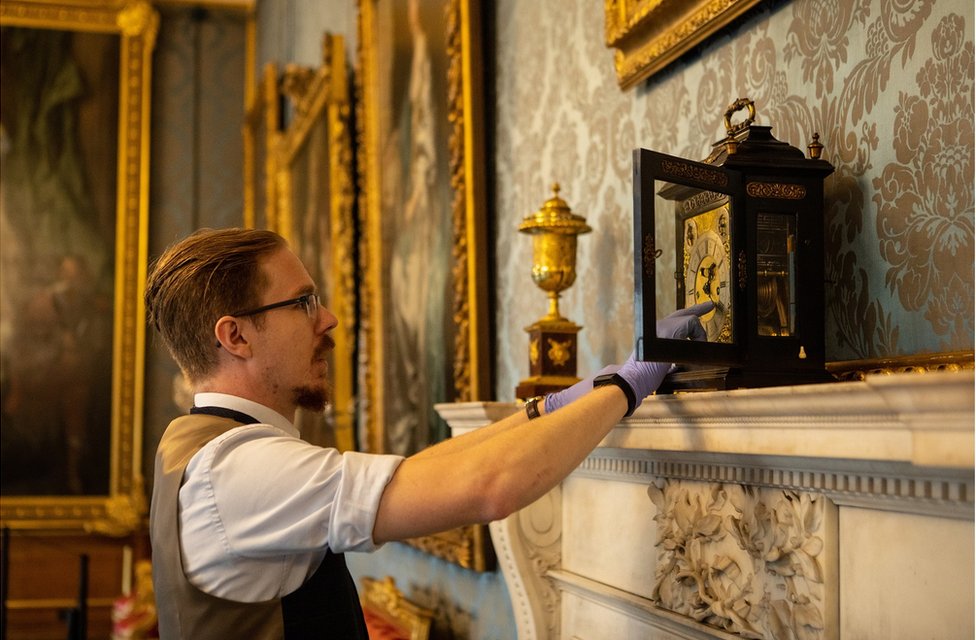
248,522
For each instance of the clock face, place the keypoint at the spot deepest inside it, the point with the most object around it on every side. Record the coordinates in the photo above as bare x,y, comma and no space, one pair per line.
707,273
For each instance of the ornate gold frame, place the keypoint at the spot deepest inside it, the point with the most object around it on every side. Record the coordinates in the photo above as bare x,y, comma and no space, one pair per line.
322,96
648,35
261,134
136,22
847,370
381,597
469,547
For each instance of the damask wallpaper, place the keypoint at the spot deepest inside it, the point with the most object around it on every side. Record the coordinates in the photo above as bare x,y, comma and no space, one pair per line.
888,84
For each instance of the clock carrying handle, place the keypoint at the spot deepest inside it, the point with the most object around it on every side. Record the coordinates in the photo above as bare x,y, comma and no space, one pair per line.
740,104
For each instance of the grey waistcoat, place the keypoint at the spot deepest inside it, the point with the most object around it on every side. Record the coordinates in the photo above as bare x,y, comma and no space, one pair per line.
325,606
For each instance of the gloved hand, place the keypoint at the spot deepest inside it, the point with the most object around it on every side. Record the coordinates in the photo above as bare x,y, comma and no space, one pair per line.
643,377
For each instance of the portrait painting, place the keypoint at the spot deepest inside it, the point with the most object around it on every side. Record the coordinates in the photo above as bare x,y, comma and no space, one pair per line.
75,85
415,195
424,248
424,217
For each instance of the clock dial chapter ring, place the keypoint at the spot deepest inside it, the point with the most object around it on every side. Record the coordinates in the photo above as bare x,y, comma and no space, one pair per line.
707,278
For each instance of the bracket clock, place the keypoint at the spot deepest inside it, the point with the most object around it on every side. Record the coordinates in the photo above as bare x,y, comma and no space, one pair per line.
743,229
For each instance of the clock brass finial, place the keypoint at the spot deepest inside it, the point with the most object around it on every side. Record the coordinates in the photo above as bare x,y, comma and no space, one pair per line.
815,147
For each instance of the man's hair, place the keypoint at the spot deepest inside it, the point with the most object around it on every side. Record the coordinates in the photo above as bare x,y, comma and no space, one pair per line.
209,274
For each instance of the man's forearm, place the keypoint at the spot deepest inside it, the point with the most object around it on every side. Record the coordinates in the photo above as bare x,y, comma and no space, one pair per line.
541,454
459,443
496,471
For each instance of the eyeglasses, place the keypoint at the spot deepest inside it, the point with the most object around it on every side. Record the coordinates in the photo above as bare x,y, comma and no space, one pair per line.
309,301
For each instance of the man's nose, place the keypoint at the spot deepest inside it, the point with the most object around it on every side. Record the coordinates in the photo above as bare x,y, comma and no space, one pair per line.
327,321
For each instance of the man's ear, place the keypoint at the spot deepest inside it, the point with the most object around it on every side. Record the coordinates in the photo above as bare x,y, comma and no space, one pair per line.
230,336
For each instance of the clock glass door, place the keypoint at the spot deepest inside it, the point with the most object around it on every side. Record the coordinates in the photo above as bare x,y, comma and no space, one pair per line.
685,249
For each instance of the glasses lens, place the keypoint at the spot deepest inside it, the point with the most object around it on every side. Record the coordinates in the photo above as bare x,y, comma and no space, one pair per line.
311,304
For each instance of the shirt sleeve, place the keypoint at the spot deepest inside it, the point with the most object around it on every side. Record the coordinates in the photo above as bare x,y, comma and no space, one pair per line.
265,493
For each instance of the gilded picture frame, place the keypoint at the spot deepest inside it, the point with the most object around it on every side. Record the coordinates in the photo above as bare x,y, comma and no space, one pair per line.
424,248
314,209
262,117
121,509
648,35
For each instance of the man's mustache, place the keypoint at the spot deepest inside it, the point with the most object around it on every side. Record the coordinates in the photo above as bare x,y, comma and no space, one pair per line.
326,345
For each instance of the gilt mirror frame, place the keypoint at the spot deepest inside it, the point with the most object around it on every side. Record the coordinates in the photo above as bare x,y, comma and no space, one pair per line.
314,209
462,359
123,509
648,35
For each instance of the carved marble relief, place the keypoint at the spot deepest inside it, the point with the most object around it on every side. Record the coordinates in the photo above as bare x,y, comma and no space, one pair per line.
758,562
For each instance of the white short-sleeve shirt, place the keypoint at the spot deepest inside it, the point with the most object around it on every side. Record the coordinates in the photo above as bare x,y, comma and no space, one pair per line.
259,507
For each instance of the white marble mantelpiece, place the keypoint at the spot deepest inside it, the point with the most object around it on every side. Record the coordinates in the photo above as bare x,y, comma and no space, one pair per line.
887,464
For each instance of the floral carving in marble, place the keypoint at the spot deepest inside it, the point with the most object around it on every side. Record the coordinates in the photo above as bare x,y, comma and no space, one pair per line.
747,560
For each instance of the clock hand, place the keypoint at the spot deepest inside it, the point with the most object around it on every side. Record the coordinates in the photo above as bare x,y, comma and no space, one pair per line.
709,274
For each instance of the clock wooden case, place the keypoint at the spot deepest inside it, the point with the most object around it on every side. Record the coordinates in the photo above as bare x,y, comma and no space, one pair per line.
745,230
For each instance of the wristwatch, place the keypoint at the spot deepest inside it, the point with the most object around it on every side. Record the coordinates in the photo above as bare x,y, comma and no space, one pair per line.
616,379
532,407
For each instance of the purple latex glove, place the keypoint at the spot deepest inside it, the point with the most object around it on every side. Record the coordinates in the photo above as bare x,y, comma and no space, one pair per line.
559,399
643,377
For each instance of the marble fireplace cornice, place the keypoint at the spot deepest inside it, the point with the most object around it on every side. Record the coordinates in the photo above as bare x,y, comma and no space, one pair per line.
916,419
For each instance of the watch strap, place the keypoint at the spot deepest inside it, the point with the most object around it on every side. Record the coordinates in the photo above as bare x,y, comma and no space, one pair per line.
619,381
532,407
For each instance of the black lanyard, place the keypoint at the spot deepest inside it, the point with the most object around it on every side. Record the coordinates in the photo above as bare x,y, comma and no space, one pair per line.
223,412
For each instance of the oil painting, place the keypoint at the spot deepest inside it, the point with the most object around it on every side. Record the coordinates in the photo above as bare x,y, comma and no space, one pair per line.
73,210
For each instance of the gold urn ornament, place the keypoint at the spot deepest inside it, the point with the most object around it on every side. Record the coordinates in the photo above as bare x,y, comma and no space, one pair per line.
552,338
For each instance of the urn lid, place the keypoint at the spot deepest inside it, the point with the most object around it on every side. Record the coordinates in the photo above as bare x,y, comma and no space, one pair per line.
554,216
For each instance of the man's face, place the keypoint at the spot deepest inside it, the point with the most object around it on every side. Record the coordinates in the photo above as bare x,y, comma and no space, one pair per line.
292,349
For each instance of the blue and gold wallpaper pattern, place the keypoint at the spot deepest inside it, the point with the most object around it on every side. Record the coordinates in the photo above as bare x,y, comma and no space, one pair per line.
888,84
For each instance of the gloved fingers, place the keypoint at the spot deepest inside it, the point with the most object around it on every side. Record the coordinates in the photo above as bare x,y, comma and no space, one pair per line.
681,328
693,329
699,309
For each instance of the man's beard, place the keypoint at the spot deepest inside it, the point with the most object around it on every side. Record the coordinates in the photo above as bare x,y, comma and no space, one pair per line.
312,398
315,398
